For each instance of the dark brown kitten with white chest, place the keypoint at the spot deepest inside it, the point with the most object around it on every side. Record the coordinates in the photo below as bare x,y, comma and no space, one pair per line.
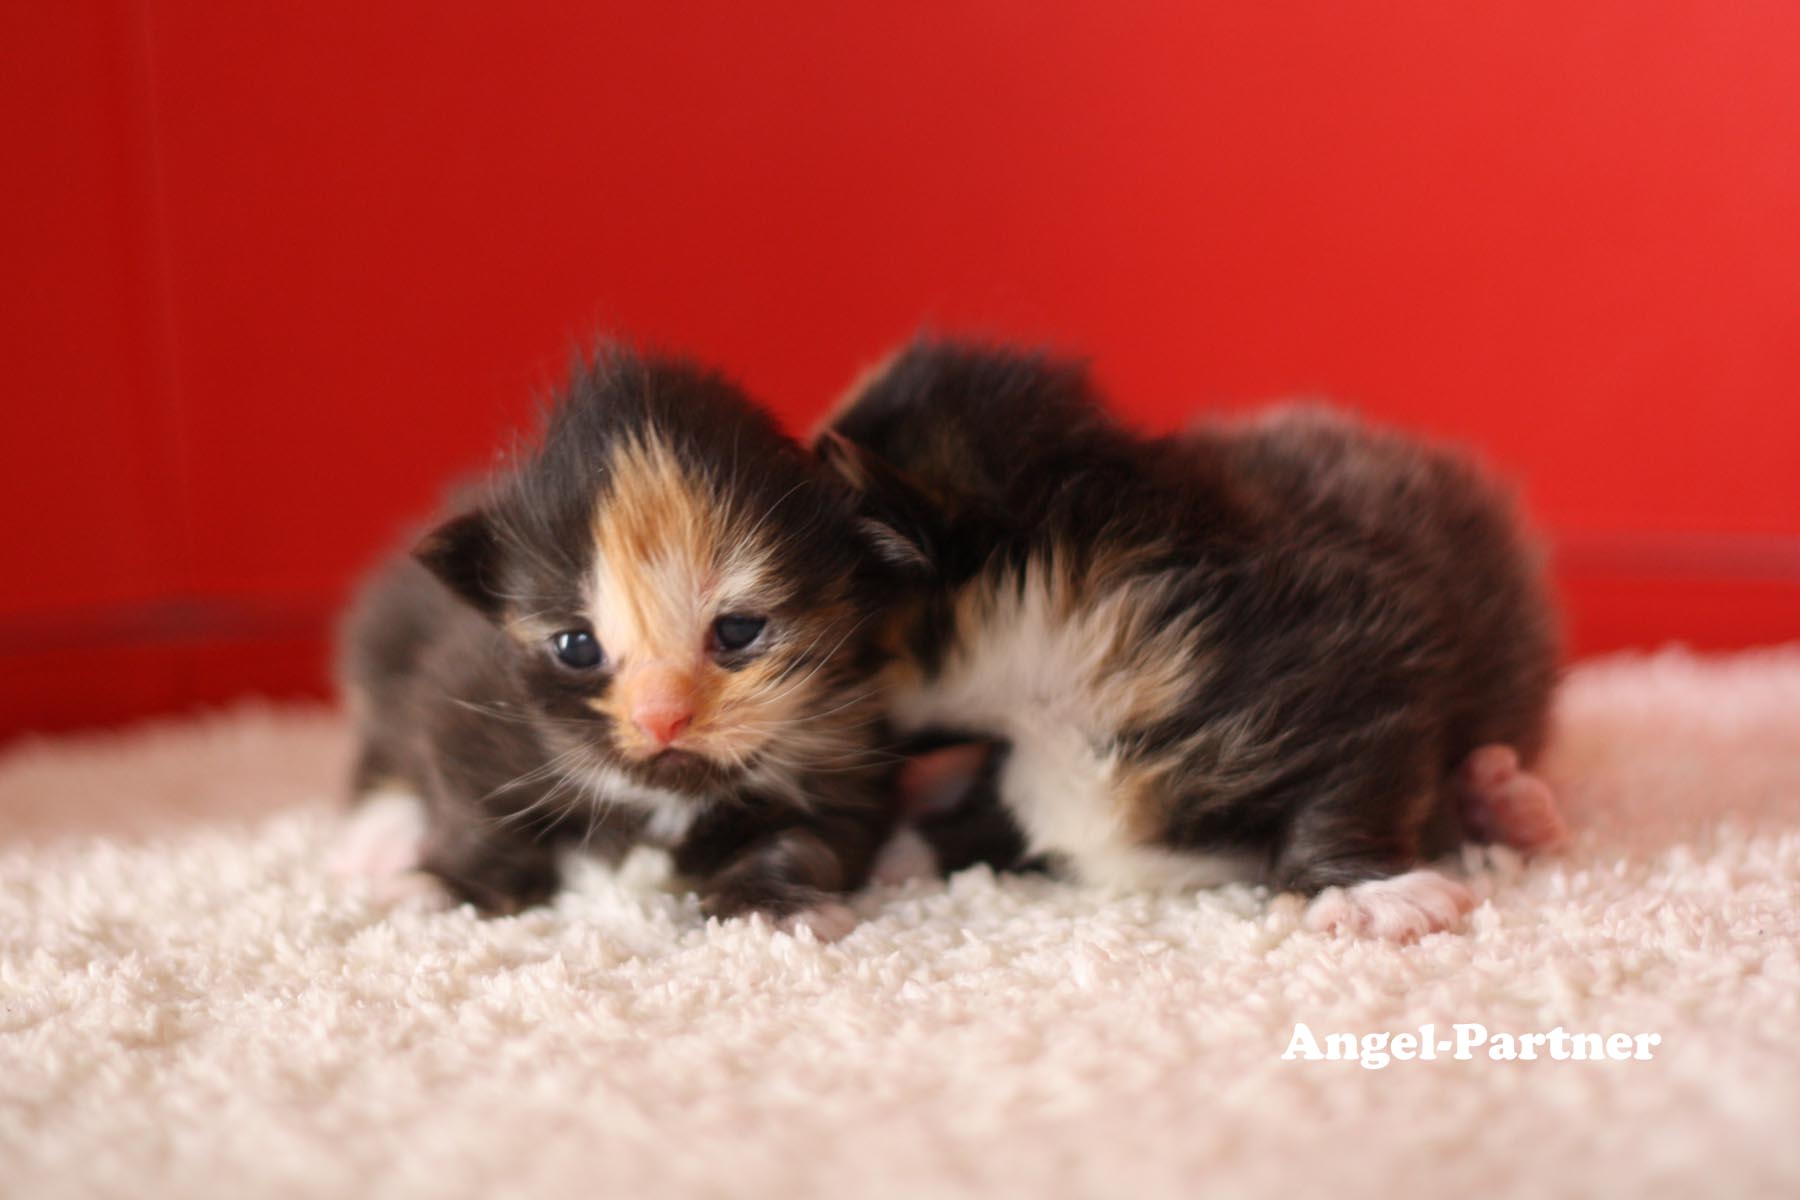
1295,651
656,628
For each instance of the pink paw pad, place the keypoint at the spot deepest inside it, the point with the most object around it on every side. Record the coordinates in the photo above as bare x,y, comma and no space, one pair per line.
1503,802
936,781
1398,909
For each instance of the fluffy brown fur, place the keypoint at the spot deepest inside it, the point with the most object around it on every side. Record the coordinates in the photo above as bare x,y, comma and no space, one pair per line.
1261,650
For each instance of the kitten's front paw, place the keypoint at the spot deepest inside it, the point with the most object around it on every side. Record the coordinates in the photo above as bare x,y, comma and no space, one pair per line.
793,879
1396,909
787,909
905,856
414,891
827,922
382,838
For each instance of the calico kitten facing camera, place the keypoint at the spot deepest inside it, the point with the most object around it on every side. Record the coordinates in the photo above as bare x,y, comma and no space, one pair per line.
1292,651
655,628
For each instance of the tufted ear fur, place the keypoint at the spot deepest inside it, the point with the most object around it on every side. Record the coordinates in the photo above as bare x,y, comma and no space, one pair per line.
894,518
464,554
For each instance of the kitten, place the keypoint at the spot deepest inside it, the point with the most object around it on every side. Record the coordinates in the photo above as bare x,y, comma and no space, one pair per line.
1292,650
656,628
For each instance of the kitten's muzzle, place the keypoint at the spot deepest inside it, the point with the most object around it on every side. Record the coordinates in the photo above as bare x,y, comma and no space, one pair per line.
660,701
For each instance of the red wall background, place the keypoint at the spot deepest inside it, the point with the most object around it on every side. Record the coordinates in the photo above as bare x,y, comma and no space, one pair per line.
274,272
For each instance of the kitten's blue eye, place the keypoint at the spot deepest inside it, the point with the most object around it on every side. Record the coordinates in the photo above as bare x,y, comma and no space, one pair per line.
735,631
576,648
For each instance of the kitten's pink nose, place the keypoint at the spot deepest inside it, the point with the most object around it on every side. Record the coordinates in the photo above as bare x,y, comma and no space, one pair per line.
662,704
662,724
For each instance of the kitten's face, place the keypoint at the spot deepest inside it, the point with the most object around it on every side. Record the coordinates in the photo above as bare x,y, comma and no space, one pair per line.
685,632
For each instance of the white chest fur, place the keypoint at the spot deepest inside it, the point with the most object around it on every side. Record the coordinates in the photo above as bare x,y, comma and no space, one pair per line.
1027,667
668,814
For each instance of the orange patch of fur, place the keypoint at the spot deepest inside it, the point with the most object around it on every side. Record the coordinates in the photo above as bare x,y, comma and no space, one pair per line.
660,540
671,558
661,543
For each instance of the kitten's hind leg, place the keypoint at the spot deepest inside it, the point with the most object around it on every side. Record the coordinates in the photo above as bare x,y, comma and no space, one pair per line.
1357,860
1505,803
1399,908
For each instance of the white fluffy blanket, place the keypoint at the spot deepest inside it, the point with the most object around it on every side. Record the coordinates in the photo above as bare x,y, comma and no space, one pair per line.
189,1006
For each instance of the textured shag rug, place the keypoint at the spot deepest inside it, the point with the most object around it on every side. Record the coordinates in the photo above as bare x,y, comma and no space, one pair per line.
191,1006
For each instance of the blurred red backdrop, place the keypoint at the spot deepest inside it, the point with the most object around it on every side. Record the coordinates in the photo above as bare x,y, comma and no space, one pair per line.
275,272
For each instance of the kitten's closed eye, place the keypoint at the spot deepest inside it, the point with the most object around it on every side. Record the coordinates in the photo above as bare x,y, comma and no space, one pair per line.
577,649
736,631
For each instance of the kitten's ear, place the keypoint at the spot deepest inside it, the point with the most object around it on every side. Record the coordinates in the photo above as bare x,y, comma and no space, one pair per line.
893,516
894,548
464,553
845,459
